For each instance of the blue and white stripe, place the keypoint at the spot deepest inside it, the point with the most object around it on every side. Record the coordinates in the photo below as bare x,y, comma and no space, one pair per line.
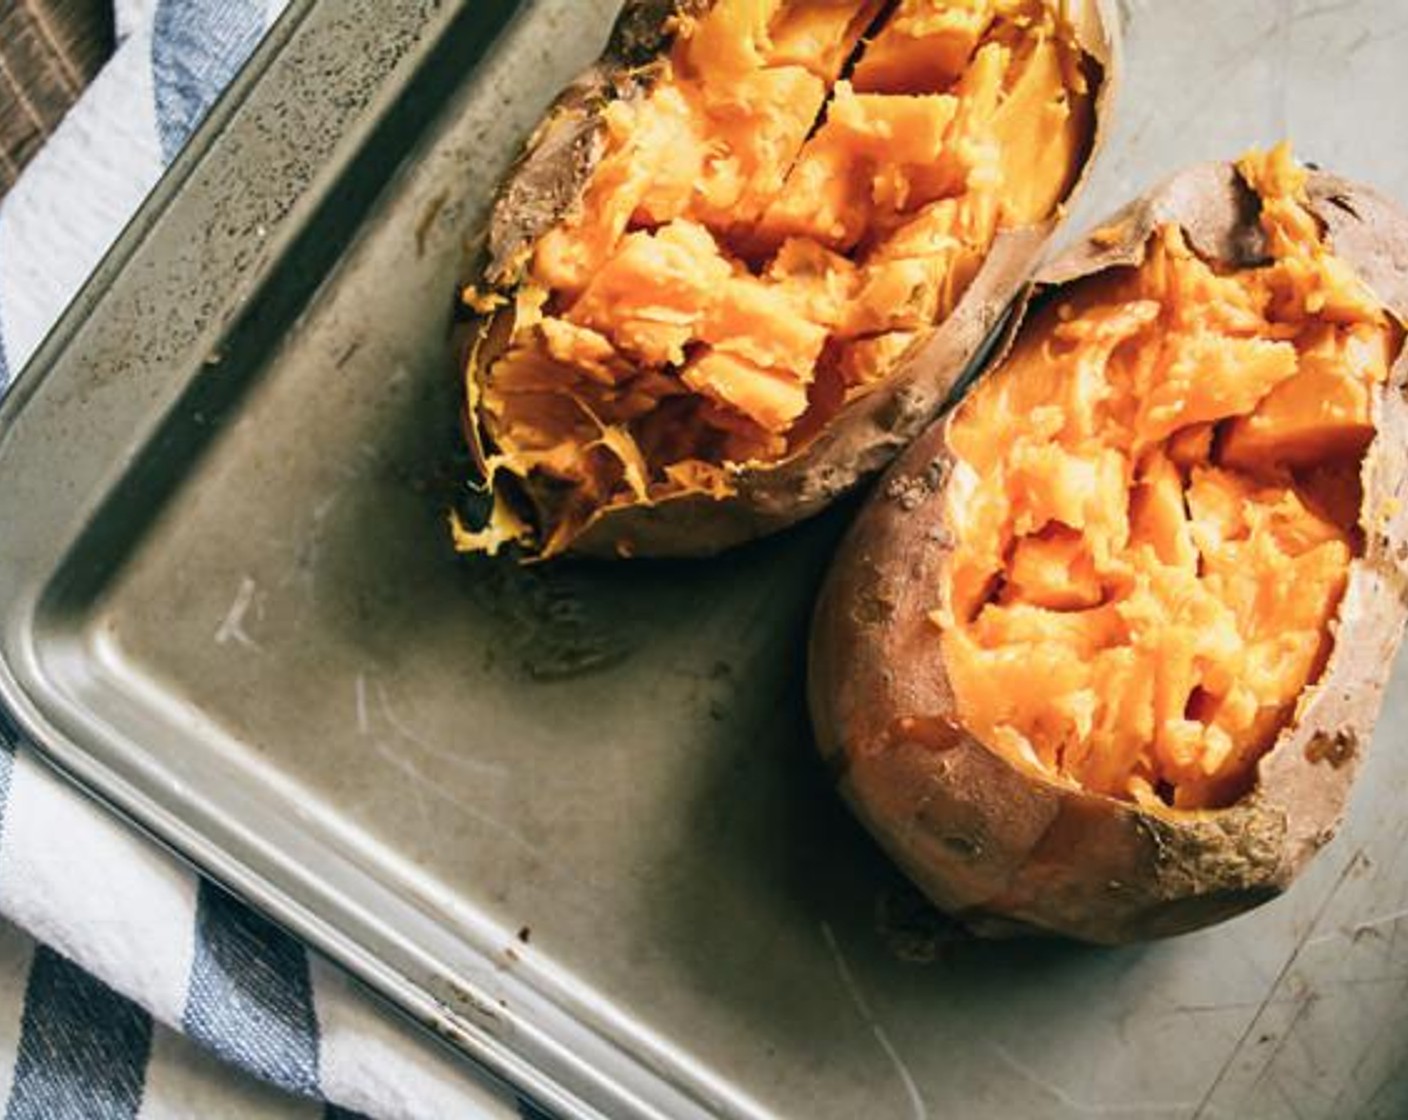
83,1049
250,999
129,988
197,45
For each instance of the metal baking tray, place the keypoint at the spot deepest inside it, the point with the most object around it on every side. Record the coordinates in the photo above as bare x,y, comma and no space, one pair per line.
569,817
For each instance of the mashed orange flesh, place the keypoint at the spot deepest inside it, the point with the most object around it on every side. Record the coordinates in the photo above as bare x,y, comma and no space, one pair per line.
807,186
1155,505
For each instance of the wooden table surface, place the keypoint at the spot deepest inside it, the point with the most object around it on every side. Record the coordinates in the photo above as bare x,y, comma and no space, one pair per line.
49,51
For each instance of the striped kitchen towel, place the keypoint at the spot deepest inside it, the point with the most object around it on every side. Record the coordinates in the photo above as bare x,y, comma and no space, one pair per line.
128,987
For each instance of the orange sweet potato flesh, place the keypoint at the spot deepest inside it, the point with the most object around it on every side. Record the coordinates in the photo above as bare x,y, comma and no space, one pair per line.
799,190
1149,556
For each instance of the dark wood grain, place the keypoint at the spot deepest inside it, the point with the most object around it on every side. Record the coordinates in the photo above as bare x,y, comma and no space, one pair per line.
49,51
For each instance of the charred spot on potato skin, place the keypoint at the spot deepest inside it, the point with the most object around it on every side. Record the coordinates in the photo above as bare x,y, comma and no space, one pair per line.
1248,241
912,490
908,491
868,585
874,609
1233,851
936,474
941,536
965,848
934,733
1341,202
825,484
647,27
547,184
1336,748
905,409
1250,249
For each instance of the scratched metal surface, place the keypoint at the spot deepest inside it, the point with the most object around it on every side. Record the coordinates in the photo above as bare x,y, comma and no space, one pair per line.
596,781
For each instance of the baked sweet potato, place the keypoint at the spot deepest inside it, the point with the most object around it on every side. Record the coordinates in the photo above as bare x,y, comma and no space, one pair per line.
1101,654
747,253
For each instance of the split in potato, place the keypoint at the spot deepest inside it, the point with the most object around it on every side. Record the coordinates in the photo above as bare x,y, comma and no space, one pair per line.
1155,501
775,212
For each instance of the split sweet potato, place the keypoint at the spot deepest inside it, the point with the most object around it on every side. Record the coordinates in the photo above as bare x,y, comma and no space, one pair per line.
748,252
1101,655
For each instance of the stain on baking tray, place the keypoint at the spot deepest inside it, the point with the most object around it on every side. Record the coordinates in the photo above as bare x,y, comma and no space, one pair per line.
461,1002
571,617
554,627
912,929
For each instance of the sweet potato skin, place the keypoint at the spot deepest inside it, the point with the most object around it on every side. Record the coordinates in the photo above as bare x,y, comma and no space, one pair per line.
1008,852
548,181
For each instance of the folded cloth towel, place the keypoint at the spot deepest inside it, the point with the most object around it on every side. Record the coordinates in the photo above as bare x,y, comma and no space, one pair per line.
129,987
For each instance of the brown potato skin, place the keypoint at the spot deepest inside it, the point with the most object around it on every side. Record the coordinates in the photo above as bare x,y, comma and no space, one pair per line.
1007,851
549,180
